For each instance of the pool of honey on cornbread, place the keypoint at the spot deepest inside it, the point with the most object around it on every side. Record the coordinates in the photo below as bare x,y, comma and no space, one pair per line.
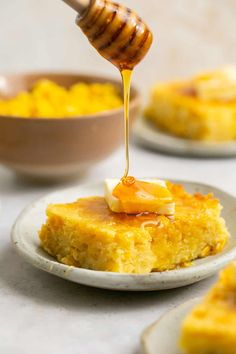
88,234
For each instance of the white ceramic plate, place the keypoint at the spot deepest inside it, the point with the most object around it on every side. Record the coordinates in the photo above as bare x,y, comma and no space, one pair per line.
163,336
150,136
26,241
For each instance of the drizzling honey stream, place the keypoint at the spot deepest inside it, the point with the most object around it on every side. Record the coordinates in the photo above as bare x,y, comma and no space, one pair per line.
126,77
121,37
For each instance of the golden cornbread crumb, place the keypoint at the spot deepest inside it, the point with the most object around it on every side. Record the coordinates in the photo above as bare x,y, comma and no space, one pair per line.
88,234
50,100
202,108
211,326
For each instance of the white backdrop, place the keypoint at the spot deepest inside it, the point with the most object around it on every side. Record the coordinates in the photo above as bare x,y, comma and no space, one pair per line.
189,35
42,314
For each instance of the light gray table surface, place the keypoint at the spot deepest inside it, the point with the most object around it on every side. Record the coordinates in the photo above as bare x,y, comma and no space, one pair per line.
42,314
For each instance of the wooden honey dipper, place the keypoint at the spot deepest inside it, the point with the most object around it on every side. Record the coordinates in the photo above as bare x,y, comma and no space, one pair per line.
117,32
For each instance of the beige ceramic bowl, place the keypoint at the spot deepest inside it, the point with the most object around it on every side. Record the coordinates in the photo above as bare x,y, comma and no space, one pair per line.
59,148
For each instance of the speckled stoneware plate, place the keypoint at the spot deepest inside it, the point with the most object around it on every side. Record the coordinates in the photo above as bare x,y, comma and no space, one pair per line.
163,336
25,238
146,134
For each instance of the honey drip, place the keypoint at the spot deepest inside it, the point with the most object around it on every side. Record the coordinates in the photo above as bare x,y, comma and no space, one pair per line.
126,78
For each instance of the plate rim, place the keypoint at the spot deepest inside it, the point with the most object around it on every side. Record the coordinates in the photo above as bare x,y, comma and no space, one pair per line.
149,330
175,275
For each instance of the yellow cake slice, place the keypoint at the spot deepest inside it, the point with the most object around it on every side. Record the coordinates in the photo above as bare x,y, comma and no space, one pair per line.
201,108
88,234
211,327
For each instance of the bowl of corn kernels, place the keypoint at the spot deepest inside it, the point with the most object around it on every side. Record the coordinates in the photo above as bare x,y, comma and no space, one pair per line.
55,126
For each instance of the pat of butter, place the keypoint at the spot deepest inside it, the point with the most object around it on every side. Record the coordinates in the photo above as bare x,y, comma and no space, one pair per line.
218,85
138,200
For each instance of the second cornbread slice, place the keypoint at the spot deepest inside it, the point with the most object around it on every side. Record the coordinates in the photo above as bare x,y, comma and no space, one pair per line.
202,108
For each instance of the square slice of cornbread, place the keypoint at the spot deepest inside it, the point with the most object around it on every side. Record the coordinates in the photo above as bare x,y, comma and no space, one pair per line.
88,234
176,109
211,327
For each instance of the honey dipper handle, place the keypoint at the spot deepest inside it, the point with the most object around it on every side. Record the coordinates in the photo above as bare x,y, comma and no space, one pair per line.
78,5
